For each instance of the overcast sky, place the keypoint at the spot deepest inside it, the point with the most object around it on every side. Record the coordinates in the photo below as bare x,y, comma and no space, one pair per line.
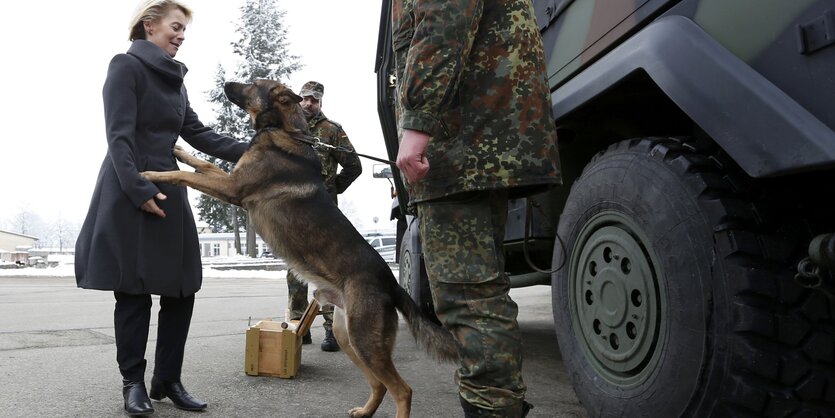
54,60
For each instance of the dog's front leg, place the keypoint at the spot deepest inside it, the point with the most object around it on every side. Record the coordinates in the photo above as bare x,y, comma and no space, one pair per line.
218,185
199,165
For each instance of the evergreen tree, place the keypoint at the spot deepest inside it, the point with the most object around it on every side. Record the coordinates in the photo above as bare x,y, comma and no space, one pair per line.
263,44
223,217
263,49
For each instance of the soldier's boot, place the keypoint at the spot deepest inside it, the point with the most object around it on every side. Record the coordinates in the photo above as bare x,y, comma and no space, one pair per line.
329,343
519,410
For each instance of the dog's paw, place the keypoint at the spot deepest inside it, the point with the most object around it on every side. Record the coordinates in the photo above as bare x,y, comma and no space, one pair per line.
180,153
359,412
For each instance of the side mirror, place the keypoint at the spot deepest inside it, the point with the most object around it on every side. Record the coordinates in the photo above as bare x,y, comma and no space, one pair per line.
382,171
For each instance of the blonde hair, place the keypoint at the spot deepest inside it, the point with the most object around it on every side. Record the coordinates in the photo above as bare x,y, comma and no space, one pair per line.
151,11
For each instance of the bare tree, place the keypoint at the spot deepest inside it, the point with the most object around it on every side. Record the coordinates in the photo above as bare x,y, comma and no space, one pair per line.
27,222
63,234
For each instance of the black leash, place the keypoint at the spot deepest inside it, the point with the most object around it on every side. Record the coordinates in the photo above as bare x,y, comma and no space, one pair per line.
264,114
318,143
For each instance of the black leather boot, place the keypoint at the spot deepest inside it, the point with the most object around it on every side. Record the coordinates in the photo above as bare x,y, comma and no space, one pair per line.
136,398
329,342
519,410
177,393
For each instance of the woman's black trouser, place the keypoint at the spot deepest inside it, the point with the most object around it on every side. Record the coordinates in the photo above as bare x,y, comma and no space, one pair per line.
132,318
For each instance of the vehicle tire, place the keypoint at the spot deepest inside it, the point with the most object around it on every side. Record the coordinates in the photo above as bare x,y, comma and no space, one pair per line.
677,296
412,272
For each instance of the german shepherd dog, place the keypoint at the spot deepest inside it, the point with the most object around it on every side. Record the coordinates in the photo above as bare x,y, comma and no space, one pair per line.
278,181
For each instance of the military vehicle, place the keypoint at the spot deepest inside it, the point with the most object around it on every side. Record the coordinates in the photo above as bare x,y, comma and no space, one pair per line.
691,249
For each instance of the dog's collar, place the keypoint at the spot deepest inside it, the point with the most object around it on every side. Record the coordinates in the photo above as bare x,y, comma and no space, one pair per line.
313,141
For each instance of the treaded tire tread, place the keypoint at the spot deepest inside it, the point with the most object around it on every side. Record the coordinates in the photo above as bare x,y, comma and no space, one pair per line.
780,336
417,286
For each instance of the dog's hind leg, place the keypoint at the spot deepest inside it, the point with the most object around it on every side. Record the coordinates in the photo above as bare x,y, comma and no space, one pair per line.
372,336
378,390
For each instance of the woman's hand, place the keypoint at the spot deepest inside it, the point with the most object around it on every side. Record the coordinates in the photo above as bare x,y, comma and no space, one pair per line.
151,205
411,158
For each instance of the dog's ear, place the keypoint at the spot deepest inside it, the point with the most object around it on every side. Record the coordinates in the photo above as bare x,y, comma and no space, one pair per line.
285,96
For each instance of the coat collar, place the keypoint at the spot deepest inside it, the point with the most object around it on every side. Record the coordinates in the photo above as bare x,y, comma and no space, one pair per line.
154,57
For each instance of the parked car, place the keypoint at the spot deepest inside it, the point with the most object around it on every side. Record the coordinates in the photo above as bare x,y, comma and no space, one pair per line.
384,244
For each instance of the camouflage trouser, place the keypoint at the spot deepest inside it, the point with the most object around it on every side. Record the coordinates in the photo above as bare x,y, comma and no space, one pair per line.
298,301
462,244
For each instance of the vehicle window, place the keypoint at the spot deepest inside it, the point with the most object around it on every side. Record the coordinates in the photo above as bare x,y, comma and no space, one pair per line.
389,241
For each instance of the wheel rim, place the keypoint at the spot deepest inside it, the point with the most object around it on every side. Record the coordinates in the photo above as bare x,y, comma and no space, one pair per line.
616,298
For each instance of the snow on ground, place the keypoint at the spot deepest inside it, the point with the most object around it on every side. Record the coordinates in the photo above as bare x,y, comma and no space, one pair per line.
61,258
62,270
68,270
209,272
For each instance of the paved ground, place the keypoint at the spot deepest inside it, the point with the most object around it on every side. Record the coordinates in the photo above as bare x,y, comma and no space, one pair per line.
57,358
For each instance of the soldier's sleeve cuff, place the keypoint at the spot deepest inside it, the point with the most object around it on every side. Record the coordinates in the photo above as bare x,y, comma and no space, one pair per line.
418,121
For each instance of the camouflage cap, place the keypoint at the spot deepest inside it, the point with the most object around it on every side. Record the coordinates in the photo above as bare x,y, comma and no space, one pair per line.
313,88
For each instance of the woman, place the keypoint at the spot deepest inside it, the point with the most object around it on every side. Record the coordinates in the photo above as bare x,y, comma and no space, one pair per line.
139,238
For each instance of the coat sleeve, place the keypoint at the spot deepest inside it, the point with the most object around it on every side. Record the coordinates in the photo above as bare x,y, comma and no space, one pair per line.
351,166
120,110
444,31
207,140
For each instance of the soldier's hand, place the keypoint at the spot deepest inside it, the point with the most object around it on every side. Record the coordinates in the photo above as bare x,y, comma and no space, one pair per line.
411,157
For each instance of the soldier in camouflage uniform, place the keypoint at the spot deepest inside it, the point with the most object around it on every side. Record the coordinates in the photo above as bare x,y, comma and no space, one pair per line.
476,129
331,133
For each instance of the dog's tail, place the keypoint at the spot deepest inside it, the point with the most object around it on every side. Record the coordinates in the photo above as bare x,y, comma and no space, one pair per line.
435,339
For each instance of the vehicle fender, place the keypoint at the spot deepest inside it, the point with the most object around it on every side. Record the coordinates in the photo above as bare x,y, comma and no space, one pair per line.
746,114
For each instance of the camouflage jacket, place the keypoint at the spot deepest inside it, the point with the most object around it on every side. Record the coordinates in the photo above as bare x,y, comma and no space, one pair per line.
331,133
471,73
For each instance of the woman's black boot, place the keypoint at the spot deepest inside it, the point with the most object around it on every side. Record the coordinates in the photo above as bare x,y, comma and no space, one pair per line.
177,393
136,398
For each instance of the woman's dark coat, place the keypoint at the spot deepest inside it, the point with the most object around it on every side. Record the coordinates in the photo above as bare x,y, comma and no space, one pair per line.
121,247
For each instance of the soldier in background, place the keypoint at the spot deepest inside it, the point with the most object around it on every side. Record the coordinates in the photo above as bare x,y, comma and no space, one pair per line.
331,133
476,129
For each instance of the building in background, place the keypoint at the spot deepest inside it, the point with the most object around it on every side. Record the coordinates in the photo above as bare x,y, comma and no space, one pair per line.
14,247
222,244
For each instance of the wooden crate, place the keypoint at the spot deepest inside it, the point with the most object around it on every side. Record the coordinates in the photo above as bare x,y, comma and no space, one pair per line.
274,351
